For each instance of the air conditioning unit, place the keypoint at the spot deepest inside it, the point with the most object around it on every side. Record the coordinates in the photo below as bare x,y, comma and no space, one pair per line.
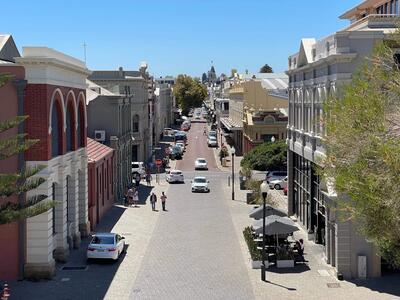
100,135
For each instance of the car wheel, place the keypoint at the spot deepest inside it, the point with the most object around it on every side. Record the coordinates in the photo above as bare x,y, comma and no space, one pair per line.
277,187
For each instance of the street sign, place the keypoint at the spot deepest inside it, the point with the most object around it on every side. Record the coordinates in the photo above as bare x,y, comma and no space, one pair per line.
158,162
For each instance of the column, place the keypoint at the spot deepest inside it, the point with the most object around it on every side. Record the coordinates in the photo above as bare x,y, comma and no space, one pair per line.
84,224
290,169
61,252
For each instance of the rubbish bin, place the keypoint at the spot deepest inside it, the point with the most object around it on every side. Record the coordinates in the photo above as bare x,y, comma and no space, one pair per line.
224,162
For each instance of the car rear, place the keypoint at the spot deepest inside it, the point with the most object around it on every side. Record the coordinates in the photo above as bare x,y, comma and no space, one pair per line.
176,176
103,247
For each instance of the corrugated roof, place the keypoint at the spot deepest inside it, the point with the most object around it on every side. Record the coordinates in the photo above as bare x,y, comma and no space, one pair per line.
104,75
97,151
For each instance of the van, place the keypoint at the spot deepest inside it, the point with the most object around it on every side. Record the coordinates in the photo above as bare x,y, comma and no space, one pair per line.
138,168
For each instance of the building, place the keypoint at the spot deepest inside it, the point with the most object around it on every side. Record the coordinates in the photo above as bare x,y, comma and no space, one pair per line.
101,177
12,236
318,70
163,114
166,80
110,122
55,102
133,83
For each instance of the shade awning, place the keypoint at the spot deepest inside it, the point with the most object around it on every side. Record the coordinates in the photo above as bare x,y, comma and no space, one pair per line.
257,213
275,225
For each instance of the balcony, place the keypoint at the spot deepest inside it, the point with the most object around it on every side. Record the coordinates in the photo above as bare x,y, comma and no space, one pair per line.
374,21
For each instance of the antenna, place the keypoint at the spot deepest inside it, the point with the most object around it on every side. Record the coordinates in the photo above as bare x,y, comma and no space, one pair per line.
84,50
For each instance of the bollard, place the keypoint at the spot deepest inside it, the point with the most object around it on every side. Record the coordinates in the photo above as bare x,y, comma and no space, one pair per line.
229,180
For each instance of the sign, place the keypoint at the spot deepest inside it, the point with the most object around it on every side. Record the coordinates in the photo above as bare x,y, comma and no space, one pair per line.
158,162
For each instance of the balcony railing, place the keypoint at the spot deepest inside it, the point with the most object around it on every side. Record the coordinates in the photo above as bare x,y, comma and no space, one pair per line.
374,21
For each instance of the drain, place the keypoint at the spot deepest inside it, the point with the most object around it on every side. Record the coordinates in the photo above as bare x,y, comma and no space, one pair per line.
333,285
74,268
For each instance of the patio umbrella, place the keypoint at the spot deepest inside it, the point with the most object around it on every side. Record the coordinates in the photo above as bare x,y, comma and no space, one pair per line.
275,225
257,213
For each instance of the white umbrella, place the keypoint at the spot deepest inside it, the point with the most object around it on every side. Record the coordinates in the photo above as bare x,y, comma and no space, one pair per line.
257,213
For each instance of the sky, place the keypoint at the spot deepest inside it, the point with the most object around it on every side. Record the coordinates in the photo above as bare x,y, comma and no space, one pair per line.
174,36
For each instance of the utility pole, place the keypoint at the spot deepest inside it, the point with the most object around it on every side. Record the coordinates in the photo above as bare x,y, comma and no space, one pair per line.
84,50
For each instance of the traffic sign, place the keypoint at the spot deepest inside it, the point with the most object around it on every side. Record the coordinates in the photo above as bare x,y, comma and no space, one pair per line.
158,162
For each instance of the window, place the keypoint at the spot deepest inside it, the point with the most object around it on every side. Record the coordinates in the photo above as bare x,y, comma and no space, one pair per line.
70,127
135,124
56,131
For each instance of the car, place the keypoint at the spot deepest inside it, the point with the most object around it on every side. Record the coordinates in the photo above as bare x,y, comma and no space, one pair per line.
212,133
197,117
200,184
200,163
182,145
175,176
285,190
274,175
278,184
212,141
105,246
180,136
138,168
176,152
167,131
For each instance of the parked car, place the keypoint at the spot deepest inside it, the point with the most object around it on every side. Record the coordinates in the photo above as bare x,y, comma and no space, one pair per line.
275,175
212,141
175,176
182,145
105,246
185,127
168,131
138,168
180,136
200,184
200,163
176,152
212,133
285,190
278,184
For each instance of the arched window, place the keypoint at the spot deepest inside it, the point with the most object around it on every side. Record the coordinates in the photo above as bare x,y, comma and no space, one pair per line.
70,127
56,130
81,125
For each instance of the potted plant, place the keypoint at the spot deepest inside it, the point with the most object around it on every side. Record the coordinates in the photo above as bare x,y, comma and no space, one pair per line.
255,254
285,258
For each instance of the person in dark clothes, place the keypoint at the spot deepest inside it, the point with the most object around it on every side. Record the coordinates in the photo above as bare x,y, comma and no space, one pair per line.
153,200
163,201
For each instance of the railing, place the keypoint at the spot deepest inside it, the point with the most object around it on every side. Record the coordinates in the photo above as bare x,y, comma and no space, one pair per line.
372,17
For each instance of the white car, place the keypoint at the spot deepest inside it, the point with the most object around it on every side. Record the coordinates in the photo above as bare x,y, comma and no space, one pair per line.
138,168
106,246
212,141
200,184
200,163
278,184
181,144
175,176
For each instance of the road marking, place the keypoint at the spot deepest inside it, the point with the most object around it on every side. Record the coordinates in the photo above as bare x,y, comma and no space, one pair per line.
323,273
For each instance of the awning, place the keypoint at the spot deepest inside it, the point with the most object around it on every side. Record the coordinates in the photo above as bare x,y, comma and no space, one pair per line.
230,124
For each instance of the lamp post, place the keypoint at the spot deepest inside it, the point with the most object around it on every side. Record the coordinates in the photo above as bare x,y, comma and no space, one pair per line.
264,192
233,150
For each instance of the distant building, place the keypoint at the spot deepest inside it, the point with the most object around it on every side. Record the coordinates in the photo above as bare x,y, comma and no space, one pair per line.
166,80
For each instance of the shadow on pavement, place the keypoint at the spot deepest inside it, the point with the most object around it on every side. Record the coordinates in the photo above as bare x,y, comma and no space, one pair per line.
388,284
298,268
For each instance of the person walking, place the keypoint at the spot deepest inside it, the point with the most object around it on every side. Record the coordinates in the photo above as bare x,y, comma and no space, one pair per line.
130,195
137,180
136,198
148,179
153,200
163,201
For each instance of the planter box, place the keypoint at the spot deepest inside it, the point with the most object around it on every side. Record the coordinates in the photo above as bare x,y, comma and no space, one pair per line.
256,264
250,197
285,263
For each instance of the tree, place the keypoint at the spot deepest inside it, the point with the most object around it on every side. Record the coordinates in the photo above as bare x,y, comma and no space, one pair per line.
204,78
267,156
233,73
266,69
189,93
363,150
17,184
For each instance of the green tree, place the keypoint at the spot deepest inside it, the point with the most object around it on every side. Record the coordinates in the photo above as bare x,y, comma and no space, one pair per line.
189,93
18,183
233,72
267,156
363,149
266,69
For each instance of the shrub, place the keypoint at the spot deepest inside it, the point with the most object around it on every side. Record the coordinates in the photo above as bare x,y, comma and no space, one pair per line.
255,254
267,156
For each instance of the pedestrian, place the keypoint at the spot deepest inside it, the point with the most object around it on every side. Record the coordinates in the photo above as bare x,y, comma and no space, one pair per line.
126,202
153,200
137,180
163,200
300,249
136,198
130,195
148,179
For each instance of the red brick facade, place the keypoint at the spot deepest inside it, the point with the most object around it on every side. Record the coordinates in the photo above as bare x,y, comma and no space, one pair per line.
38,101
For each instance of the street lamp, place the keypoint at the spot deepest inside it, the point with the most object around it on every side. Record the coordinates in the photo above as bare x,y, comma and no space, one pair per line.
233,172
264,188
272,139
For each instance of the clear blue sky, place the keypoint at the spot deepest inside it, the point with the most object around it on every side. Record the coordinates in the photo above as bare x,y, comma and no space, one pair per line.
173,36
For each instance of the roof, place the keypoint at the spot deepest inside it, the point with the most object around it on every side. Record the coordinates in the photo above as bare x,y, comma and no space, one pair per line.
8,49
97,151
263,76
360,7
94,90
114,75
